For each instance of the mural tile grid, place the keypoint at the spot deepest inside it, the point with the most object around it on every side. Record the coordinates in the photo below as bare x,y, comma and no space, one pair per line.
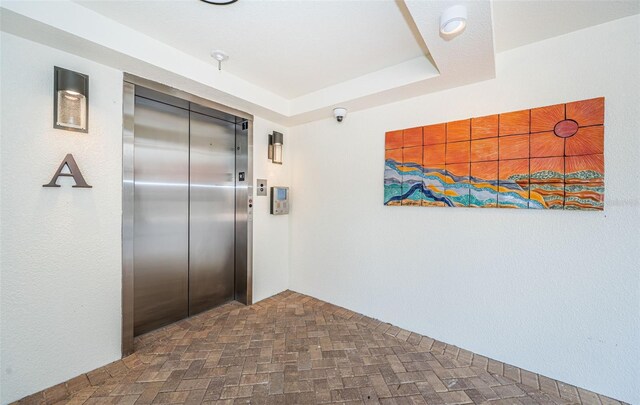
542,158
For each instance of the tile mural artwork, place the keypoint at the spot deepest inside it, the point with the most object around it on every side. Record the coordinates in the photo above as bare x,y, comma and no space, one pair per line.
543,158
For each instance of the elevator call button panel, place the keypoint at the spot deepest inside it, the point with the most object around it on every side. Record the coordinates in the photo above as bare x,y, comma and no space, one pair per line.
279,200
261,187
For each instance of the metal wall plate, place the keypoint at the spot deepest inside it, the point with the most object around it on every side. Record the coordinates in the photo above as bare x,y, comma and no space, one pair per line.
261,187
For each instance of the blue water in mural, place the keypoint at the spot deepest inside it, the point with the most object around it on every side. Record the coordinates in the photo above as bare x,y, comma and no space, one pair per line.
412,184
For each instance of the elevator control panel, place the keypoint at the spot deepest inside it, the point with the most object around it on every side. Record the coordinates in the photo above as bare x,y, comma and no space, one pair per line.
279,200
261,187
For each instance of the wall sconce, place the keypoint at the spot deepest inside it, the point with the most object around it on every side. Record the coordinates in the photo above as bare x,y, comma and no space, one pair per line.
275,147
70,100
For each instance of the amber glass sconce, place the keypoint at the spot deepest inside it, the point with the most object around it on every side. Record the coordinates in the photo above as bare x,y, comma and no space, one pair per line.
70,100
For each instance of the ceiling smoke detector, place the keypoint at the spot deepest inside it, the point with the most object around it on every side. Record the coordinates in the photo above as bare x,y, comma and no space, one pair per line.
453,20
220,56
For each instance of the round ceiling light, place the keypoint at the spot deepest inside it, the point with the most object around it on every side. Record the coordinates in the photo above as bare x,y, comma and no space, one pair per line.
219,2
453,20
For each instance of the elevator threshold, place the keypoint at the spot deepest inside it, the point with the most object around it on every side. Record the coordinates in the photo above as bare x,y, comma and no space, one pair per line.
171,330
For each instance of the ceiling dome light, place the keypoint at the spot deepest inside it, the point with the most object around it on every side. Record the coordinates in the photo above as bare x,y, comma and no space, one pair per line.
453,20
219,2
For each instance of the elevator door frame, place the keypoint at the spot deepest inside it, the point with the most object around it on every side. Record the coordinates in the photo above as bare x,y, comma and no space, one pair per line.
243,216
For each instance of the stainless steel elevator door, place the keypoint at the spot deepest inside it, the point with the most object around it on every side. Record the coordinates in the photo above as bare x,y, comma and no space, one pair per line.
212,212
161,216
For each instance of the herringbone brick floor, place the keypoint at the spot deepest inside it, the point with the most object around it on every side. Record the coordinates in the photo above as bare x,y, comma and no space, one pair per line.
294,349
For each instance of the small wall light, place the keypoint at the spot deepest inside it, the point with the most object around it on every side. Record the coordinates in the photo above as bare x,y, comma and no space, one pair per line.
453,20
275,147
70,100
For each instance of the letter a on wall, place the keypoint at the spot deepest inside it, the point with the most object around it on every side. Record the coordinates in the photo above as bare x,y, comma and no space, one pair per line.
74,171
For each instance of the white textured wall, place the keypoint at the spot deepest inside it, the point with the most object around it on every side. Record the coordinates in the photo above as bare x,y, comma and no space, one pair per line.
61,247
550,291
270,232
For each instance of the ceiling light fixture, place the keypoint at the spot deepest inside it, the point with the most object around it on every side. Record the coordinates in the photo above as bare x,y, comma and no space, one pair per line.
453,20
220,56
219,2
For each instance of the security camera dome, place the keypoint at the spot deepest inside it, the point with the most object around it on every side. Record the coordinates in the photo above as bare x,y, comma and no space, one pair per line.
339,113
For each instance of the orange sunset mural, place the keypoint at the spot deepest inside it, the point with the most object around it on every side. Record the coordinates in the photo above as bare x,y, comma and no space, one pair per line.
542,158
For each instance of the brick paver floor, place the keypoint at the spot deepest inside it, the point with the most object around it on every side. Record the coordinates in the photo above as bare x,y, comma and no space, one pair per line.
294,349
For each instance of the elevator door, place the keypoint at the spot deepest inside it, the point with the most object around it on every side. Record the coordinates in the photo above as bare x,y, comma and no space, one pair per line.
161,214
184,210
212,212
